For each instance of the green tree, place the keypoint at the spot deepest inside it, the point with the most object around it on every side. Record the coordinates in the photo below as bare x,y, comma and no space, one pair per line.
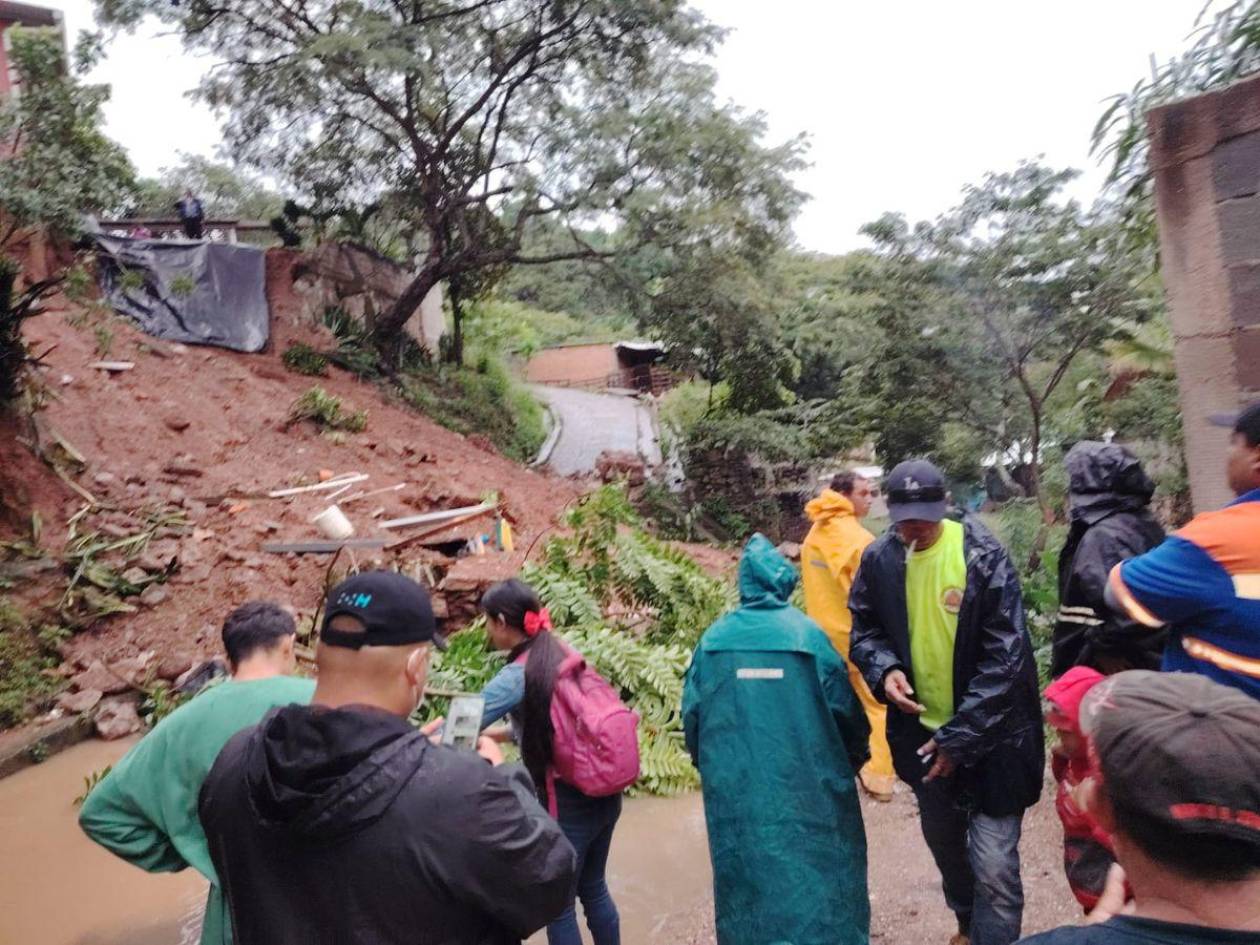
477,118
225,191
55,166
1024,281
1226,47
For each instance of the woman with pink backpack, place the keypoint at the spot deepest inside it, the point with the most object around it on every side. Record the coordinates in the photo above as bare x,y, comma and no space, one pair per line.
577,740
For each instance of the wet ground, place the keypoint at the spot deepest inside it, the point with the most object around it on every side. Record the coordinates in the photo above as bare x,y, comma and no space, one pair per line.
57,888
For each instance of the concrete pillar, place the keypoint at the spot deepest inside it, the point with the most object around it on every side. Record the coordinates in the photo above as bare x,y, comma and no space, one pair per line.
1205,156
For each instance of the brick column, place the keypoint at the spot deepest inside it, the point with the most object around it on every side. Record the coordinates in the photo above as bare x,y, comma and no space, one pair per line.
1205,156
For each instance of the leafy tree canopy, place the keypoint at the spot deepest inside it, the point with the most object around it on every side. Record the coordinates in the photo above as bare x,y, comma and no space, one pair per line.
225,191
479,118
57,165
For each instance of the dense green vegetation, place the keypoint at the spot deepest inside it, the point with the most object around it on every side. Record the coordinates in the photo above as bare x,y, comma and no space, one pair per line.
64,167
633,606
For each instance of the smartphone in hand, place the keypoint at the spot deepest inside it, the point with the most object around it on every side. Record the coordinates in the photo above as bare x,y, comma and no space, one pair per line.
463,722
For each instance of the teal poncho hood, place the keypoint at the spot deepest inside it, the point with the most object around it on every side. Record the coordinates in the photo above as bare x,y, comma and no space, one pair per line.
766,578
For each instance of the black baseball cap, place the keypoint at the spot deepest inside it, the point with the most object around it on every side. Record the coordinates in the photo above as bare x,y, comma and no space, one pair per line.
1245,421
915,490
1179,748
393,609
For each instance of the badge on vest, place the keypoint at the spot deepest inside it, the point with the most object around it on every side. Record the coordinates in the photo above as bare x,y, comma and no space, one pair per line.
952,600
759,673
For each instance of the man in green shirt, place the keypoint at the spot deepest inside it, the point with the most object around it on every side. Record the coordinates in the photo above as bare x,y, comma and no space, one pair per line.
939,635
145,809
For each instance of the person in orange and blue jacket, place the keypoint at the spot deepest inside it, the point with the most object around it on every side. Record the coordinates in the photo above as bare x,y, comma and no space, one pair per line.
1203,582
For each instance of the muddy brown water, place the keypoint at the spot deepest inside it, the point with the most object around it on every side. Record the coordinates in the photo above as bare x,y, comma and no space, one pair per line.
59,888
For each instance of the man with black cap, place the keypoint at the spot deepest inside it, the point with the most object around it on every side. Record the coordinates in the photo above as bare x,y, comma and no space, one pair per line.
1177,790
339,822
1203,582
939,634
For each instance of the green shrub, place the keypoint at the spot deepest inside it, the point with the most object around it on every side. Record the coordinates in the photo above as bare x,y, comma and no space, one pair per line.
104,340
131,280
183,286
325,410
482,399
301,358
25,684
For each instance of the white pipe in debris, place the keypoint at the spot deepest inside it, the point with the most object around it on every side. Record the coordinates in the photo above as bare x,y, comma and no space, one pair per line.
346,480
436,516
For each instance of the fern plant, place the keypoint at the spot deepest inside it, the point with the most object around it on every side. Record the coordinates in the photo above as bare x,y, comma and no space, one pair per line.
633,606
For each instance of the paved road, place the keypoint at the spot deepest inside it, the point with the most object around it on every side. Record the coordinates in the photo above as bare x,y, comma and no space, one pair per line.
593,423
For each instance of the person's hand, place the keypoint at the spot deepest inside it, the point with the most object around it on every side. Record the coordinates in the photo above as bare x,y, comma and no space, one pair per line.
898,690
1112,902
942,765
434,729
489,749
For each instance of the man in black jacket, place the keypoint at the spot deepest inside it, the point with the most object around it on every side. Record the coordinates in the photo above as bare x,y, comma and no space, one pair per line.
939,634
1109,495
338,822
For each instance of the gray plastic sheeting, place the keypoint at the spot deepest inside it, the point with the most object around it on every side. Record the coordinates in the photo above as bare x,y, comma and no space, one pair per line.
193,291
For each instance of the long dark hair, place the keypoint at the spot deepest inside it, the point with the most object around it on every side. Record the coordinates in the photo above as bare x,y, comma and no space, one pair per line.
510,601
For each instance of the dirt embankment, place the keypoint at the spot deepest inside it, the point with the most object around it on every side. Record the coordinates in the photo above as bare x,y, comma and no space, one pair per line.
190,431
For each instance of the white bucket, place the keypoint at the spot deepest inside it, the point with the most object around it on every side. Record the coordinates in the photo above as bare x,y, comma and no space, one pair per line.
332,522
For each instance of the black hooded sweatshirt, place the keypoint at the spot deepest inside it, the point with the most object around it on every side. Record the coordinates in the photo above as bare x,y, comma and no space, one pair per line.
1109,494
347,825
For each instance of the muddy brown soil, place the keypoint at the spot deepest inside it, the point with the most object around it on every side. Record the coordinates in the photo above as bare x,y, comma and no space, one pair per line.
907,907
189,426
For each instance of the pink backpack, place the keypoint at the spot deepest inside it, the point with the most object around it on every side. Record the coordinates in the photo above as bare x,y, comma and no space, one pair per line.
595,747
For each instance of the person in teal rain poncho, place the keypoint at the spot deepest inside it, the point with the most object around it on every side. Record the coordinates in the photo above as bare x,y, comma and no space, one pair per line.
778,734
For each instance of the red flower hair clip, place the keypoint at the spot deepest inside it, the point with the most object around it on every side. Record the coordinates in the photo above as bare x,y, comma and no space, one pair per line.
537,621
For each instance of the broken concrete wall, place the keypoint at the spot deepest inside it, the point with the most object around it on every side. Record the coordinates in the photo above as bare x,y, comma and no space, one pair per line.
1205,156
364,284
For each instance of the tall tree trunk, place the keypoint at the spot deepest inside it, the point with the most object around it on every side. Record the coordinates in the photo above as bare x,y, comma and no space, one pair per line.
387,330
1035,490
455,352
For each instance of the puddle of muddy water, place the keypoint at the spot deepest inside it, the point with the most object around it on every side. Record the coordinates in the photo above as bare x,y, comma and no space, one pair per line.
59,888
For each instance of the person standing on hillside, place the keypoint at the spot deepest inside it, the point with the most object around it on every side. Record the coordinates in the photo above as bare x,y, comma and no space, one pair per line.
192,215
772,723
829,559
1109,495
340,822
1203,582
1177,792
938,632
145,809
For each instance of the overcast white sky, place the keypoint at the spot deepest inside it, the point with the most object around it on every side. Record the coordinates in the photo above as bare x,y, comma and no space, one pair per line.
904,102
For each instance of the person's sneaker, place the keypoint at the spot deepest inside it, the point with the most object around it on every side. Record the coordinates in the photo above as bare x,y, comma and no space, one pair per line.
878,787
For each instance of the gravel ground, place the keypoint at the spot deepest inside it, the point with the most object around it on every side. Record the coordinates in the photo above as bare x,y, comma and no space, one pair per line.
907,907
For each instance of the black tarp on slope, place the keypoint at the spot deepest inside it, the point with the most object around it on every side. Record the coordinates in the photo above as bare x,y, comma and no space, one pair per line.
195,292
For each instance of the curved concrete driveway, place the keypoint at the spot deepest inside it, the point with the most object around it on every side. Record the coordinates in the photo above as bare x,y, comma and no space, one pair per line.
593,423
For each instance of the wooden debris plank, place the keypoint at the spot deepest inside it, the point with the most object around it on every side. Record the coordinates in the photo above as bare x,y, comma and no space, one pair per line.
363,495
428,517
113,366
321,547
419,537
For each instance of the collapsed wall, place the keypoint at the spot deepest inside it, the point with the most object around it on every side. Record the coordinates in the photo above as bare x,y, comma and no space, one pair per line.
355,279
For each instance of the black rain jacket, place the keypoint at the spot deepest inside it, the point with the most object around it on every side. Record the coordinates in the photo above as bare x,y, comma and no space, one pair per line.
329,826
1109,497
995,735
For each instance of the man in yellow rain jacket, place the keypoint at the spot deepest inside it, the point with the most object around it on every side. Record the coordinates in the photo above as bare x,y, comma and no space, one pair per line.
829,560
